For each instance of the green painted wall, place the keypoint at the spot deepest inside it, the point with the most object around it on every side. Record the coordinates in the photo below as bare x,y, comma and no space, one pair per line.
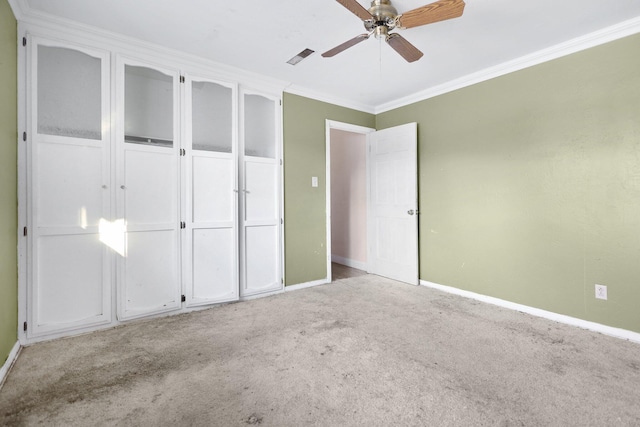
8,182
304,206
530,185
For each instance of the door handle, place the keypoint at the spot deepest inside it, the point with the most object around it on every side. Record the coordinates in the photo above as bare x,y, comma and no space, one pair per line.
410,211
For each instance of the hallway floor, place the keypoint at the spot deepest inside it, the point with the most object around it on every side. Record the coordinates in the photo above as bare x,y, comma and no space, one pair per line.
339,271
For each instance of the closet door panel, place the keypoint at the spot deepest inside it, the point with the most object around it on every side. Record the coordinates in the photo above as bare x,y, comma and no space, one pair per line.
70,274
151,272
69,186
69,282
212,190
214,266
261,251
262,258
150,189
261,188
210,247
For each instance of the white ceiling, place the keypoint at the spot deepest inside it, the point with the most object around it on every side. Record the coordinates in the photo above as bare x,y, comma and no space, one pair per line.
260,36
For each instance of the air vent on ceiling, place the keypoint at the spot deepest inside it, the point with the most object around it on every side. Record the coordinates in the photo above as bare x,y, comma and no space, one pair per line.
299,57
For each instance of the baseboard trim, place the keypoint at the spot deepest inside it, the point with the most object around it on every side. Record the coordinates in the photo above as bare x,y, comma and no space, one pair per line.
349,262
560,318
11,359
306,285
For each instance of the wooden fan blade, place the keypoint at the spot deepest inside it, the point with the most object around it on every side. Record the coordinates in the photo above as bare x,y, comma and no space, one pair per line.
346,45
408,51
434,12
356,8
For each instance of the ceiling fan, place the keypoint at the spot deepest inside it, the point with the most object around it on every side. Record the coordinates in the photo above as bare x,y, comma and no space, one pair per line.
382,17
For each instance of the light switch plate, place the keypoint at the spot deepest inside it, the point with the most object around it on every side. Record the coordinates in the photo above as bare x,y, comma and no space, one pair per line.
314,181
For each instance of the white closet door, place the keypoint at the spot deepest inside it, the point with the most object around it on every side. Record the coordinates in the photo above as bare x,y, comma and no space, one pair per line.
261,196
69,280
210,246
148,190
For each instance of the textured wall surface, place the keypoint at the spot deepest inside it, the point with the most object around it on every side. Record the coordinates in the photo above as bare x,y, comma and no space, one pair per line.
304,206
8,182
530,185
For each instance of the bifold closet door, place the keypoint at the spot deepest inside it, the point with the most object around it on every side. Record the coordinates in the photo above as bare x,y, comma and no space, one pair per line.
148,190
261,195
210,245
68,188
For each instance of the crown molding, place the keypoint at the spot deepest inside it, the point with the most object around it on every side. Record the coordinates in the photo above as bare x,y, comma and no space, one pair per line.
577,44
319,96
26,15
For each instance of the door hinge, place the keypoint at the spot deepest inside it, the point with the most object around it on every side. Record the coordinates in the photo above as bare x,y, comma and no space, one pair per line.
282,280
183,299
282,221
183,152
24,231
281,102
280,162
24,136
181,79
24,326
24,41
183,225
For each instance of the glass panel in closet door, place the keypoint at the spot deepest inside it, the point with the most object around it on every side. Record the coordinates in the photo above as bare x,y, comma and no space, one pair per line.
212,121
259,126
69,93
148,109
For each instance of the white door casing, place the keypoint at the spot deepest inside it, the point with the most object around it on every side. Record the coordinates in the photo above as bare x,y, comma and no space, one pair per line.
347,127
393,210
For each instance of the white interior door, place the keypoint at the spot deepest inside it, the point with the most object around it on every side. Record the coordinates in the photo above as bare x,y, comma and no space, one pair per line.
210,254
148,191
393,224
69,277
261,266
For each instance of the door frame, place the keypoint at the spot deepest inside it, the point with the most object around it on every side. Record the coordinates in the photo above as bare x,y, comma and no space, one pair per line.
348,127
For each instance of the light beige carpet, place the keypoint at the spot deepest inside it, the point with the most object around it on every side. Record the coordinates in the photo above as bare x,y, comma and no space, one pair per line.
360,351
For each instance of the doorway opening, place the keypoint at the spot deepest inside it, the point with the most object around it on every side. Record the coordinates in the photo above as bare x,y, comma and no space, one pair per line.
347,200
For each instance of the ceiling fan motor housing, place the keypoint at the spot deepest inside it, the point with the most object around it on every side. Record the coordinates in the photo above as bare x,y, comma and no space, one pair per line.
385,18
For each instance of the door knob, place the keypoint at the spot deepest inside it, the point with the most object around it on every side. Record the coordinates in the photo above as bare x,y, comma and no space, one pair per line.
410,211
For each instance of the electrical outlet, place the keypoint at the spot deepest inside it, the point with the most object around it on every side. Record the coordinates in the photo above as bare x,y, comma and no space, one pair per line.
601,292
314,181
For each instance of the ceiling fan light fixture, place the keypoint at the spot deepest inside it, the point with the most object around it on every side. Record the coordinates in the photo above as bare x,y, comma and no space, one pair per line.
299,57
